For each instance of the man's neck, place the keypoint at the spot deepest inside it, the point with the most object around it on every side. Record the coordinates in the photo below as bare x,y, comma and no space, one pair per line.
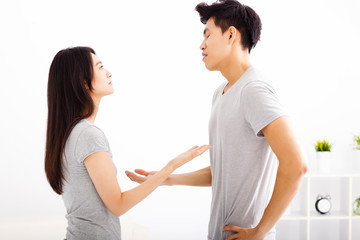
235,67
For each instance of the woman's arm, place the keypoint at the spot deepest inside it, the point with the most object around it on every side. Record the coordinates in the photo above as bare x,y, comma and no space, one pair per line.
200,178
102,173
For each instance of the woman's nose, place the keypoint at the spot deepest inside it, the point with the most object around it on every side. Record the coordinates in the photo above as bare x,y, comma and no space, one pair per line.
109,74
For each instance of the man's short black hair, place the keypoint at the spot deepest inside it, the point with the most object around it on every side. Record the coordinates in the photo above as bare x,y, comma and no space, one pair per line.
229,13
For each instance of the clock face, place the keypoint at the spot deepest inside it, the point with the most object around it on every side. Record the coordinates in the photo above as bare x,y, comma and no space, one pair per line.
323,205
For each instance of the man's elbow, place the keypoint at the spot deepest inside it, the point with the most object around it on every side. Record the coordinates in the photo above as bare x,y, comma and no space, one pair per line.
300,169
303,169
295,170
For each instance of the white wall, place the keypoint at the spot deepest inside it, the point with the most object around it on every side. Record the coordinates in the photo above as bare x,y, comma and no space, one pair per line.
309,50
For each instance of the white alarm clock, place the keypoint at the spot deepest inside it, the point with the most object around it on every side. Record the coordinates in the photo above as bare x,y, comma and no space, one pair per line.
323,204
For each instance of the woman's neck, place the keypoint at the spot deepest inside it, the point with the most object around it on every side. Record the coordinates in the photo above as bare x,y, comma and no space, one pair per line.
96,108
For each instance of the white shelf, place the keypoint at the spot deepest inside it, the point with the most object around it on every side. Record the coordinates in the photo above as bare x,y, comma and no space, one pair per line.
332,175
331,215
339,223
295,215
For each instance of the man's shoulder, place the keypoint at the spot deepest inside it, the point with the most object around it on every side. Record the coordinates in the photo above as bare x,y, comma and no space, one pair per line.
257,86
255,79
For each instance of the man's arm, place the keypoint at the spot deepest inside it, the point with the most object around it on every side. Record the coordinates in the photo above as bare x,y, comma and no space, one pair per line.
292,167
200,178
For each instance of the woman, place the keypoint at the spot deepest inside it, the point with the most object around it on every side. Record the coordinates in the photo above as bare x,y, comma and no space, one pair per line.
78,160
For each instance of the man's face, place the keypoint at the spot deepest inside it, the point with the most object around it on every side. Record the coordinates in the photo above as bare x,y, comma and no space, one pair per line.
215,46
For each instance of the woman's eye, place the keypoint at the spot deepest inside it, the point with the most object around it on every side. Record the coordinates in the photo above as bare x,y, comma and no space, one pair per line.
101,66
207,36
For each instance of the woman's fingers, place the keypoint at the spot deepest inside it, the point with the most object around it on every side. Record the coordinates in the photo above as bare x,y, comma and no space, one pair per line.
193,148
202,149
135,178
142,172
180,159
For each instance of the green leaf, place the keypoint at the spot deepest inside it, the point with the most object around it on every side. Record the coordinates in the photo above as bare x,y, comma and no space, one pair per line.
323,146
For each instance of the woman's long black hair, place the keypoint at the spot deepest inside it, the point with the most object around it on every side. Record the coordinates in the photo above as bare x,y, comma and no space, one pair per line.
69,101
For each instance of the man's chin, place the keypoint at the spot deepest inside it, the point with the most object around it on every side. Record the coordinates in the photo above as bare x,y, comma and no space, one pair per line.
210,67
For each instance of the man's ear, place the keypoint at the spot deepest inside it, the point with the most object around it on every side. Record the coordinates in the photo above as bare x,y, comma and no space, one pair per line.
232,34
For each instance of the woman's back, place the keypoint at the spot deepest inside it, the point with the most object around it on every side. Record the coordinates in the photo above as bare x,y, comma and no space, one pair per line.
88,217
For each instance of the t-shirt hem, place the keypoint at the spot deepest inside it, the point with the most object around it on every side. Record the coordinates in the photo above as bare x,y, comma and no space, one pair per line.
81,160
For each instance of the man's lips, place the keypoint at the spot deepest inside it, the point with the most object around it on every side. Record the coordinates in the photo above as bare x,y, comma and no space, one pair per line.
204,55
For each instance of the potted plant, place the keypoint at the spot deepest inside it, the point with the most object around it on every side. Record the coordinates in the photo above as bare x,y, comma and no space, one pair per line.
356,157
323,157
356,206
356,142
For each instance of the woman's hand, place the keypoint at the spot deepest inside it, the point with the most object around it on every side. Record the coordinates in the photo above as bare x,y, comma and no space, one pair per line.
141,176
189,155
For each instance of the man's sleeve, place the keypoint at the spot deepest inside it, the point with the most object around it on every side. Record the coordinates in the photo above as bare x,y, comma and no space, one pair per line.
261,105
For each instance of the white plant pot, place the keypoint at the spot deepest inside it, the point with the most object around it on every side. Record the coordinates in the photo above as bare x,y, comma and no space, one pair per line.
324,163
356,161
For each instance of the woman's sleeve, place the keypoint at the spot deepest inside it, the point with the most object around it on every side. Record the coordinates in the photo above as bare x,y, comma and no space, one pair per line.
91,140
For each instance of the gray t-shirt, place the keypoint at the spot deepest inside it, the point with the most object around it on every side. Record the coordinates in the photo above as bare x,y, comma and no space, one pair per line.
88,217
243,166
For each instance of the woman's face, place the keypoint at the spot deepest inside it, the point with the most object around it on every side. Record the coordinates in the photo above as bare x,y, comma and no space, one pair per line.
101,83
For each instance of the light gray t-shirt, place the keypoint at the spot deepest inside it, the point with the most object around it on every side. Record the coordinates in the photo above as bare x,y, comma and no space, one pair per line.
88,217
243,166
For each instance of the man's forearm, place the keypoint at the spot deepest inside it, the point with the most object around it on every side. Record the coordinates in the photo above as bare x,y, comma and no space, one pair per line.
286,185
201,178
292,167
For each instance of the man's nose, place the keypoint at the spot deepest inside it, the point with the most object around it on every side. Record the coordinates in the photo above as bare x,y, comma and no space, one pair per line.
202,46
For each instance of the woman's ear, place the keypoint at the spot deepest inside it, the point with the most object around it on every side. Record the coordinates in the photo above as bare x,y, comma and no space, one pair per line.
86,85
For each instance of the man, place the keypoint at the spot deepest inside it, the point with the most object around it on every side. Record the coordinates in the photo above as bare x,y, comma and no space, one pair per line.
248,130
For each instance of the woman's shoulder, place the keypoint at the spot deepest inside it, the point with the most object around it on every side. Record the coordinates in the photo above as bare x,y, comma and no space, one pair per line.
86,131
85,139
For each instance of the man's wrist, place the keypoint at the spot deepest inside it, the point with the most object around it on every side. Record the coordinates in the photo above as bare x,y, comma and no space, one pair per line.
260,231
168,181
